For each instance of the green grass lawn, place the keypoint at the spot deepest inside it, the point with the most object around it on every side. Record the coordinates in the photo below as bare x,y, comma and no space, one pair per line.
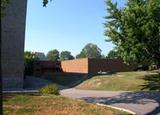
27,104
123,81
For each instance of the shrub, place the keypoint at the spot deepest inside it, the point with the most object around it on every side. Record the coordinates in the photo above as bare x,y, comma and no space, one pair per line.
50,89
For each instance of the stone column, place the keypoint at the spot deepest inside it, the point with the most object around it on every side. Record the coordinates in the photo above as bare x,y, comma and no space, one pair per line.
12,49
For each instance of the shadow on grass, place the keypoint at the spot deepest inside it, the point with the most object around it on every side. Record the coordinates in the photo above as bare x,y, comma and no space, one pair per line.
69,79
66,79
152,82
10,96
62,79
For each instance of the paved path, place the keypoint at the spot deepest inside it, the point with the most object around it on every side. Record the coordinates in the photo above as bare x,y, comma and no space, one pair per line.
142,103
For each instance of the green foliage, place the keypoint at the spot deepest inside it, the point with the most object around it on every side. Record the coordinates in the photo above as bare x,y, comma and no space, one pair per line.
90,51
4,4
53,55
45,2
29,56
135,30
103,56
81,55
66,55
50,89
112,54
29,59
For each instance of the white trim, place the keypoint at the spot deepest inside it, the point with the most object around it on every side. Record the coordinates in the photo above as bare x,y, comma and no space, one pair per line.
121,109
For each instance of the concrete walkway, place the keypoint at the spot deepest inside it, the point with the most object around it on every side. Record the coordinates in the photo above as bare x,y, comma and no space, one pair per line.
142,103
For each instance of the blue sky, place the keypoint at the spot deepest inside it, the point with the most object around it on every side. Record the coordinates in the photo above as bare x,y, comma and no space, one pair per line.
66,25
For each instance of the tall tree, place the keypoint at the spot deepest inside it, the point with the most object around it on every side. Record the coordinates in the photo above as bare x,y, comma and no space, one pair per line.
53,55
112,54
66,55
29,59
90,51
135,30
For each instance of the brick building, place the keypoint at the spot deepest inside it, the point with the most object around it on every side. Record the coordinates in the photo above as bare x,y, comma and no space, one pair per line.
46,68
83,66
86,65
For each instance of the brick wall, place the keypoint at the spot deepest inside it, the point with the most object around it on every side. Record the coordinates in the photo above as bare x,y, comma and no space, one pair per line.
46,67
108,65
75,66
84,65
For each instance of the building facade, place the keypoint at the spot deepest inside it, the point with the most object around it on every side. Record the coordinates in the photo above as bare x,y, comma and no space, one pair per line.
87,65
43,68
82,66
12,48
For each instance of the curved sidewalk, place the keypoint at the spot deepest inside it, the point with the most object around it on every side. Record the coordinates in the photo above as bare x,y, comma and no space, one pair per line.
142,103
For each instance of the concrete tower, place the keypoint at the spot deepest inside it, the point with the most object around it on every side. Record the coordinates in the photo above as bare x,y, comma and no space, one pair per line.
12,49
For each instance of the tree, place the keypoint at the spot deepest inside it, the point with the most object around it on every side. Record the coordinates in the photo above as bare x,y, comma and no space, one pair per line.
29,59
112,54
53,55
45,2
103,56
135,30
90,51
66,55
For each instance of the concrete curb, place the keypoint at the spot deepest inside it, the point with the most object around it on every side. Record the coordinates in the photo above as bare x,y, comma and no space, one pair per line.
117,108
23,91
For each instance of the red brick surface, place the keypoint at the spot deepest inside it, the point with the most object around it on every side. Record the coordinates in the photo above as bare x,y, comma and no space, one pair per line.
86,65
75,66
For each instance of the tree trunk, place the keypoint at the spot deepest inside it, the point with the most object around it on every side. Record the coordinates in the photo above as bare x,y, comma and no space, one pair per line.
1,95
